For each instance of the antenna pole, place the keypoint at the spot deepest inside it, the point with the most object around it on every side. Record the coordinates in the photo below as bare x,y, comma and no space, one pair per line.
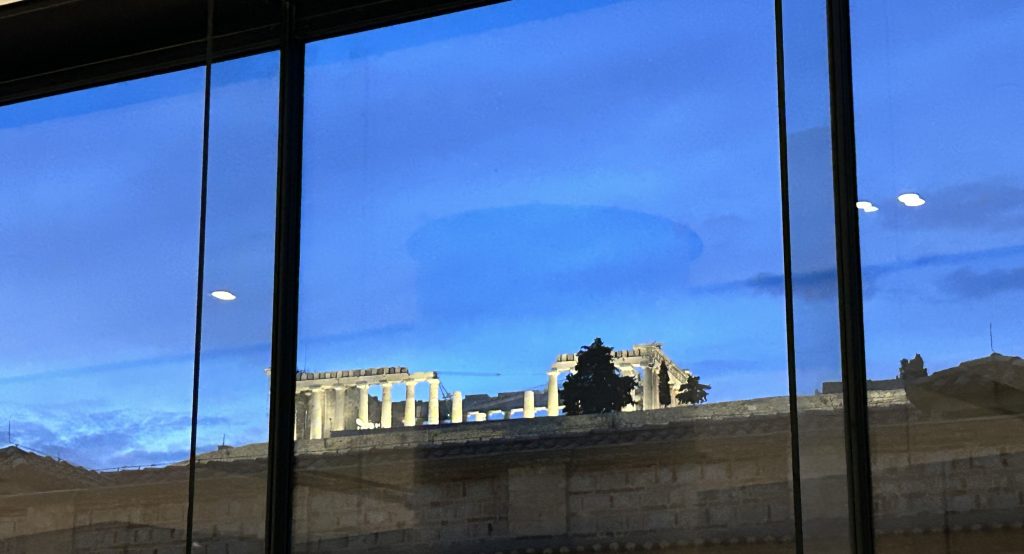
991,343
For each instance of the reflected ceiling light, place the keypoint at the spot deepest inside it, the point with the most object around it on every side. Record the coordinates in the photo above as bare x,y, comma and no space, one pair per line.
223,295
866,206
911,199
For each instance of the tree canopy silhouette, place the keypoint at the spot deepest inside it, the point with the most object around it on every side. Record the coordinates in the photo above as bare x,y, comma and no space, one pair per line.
596,386
693,392
913,369
664,389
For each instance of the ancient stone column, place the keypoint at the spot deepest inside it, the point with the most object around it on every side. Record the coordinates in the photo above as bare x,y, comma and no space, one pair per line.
301,399
457,407
528,407
339,408
655,388
553,392
410,403
328,401
433,409
650,388
316,414
385,405
364,404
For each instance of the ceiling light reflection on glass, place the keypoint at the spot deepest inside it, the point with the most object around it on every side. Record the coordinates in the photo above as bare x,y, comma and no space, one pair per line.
866,207
224,295
911,199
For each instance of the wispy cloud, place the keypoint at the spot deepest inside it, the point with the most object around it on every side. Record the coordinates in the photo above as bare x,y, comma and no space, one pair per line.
107,439
968,283
822,284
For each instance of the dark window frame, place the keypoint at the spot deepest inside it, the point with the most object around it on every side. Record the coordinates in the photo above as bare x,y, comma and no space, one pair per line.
160,36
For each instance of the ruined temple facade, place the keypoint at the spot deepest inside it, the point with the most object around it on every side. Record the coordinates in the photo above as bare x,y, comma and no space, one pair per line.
332,402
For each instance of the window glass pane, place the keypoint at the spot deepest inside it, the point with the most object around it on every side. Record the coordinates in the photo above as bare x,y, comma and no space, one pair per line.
938,93
483,194
816,347
99,211
231,477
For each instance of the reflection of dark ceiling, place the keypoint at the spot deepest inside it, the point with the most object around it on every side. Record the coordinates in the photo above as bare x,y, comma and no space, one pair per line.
150,33
161,35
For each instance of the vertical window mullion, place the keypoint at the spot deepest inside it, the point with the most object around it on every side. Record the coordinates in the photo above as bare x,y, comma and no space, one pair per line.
851,309
788,278
200,277
286,287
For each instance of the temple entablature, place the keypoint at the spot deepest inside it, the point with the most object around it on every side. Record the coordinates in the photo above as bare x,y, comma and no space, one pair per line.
309,380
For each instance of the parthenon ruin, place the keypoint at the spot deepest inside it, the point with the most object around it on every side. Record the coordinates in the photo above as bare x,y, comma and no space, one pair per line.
341,401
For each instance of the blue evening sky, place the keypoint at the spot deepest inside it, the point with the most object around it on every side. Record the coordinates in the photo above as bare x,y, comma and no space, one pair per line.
487,190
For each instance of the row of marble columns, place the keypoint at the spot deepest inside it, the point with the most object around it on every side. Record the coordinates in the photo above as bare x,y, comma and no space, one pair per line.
529,410
318,404
325,407
649,398
650,385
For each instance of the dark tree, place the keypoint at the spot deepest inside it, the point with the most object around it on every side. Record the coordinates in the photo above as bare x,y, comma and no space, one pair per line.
596,386
913,369
664,388
693,392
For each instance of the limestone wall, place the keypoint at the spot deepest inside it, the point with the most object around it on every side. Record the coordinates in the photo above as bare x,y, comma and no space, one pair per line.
709,479
528,494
